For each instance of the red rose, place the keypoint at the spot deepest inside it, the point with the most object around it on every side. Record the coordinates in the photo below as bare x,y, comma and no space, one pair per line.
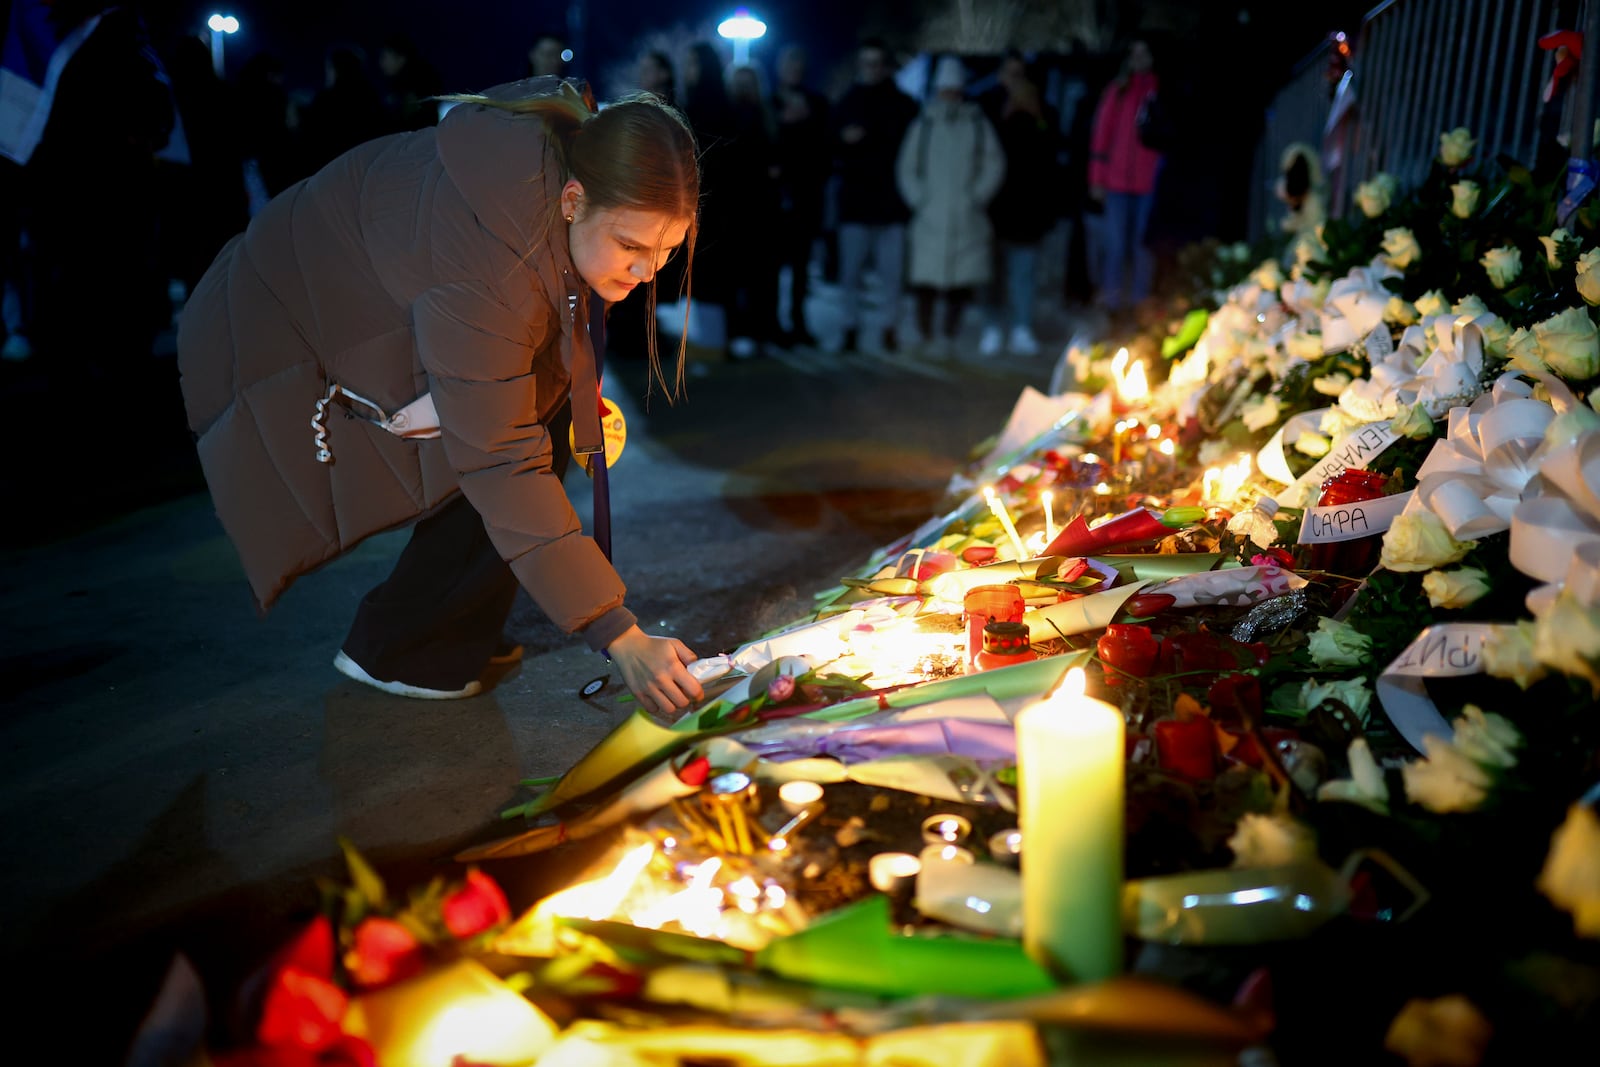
384,952
476,906
302,1010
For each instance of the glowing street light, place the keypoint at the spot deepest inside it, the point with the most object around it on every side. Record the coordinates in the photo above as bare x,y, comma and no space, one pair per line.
220,26
741,29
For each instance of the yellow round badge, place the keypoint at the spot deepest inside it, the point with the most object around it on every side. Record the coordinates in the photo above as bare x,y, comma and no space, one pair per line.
613,430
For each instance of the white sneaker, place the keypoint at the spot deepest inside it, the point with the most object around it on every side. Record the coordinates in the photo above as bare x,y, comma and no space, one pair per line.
992,342
351,669
1022,342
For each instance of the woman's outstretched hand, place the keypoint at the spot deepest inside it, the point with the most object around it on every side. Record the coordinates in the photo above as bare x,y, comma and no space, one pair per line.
655,670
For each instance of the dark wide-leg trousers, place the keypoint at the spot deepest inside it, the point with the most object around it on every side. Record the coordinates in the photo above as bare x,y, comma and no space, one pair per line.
435,621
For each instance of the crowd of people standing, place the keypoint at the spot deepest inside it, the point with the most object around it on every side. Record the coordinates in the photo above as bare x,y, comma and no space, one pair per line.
949,200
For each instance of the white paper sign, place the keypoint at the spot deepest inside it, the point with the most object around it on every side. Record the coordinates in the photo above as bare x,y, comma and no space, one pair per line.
1448,651
1353,451
1347,522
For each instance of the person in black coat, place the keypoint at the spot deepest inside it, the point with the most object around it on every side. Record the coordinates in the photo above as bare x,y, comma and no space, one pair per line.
804,158
1024,210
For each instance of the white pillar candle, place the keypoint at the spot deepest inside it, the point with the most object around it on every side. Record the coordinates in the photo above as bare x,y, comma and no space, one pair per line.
998,506
1070,784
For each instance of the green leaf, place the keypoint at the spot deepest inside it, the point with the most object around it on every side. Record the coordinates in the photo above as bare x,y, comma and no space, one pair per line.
363,878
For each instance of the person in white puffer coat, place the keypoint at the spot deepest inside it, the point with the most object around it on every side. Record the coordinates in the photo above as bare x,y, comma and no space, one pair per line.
949,168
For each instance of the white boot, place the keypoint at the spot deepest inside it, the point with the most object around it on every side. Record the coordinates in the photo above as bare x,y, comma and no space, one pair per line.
1022,342
992,342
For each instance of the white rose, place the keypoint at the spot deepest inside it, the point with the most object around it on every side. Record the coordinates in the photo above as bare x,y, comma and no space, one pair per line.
1523,351
1413,422
1351,692
1432,303
1399,312
1552,245
1365,785
1313,444
1260,412
1271,841
1472,304
1588,279
1496,334
1418,541
1508,653
1375,196
1331,384
1447,1032
1570,425
1503,264
1571,874
1567,638
1336,420
1569,344
1455,146
1464,199
1455,589
1338,644
1400,247
1487,738
1445,780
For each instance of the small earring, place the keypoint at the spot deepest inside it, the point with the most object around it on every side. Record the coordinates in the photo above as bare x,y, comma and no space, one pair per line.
569,218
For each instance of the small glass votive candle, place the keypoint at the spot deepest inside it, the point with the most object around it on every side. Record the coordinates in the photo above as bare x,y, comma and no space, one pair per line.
945,829
797,796
1005,847
893,872
933,854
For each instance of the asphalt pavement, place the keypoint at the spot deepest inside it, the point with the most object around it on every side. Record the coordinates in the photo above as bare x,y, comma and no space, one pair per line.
176,770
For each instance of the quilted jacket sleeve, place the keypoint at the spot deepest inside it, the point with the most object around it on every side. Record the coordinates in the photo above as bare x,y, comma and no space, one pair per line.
478,354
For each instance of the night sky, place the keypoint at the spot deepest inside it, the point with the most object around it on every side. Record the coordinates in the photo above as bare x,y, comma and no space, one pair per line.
477,44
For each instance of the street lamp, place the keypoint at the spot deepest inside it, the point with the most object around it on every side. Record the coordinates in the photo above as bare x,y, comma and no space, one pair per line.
741,29
220,27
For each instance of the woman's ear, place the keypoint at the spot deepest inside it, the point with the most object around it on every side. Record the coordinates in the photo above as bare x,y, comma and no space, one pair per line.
571,197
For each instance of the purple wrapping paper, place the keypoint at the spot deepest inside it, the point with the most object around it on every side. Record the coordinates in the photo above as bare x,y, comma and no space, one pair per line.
931,737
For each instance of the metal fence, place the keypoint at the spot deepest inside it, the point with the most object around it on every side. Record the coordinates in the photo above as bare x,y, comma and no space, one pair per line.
1419,67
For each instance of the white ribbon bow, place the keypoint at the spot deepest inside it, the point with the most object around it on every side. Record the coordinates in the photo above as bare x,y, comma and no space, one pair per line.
1355,305
1555,532
1475,477
1448,377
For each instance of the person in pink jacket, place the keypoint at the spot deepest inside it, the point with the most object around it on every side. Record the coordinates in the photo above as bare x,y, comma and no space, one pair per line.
1122,179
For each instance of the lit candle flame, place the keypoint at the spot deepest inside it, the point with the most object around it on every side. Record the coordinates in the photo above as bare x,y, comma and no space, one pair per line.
1153,432
1049,500
1167,448
1133,385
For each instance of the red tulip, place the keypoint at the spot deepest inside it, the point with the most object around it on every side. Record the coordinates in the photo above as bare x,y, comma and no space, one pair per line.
1130,649
384,952
302,1010
476,906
